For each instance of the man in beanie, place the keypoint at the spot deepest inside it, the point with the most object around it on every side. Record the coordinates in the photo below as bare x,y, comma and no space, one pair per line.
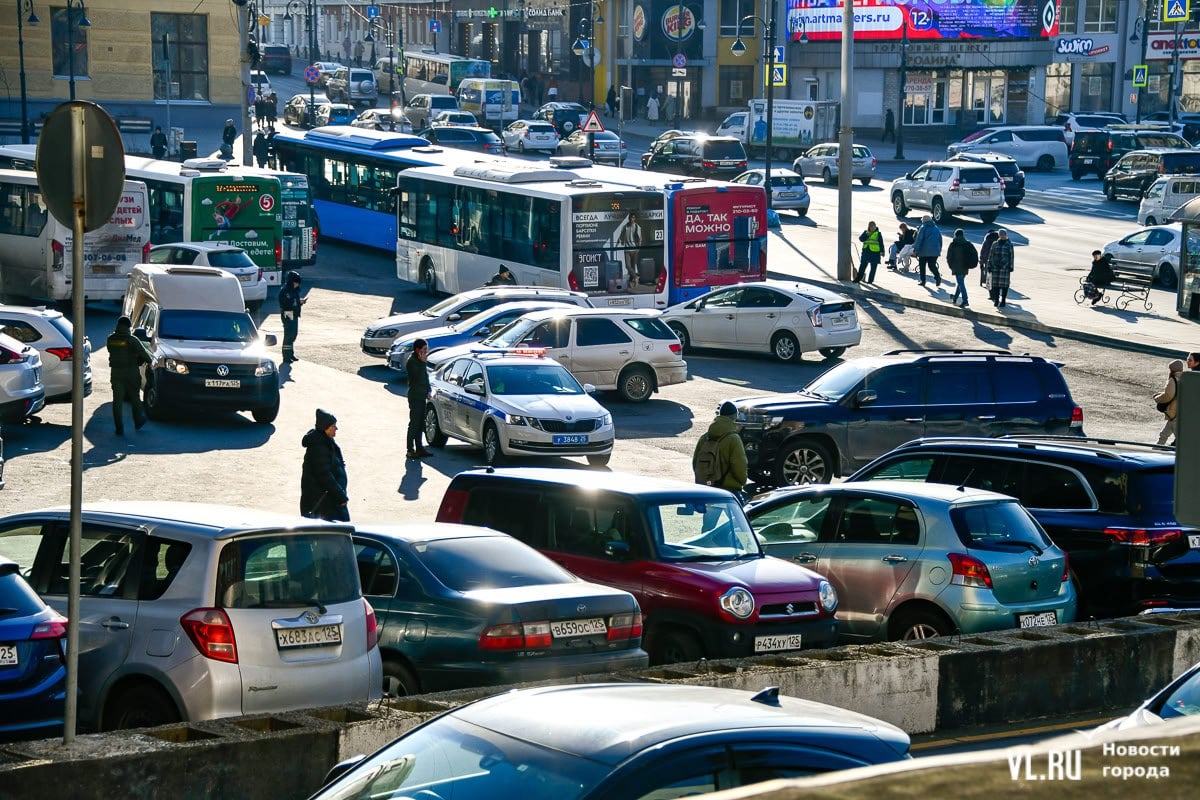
418,393
323,478
289,309
126,354
720,456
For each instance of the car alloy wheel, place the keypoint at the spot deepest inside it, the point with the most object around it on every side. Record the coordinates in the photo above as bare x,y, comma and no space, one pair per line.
803,463
898,205
785,347
493,453
636,384
433,429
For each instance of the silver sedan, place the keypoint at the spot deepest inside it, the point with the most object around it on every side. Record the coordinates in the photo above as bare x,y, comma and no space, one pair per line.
787,188
821,162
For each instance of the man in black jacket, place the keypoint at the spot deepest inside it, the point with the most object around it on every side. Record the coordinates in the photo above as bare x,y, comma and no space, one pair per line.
290,302
126,355
418,394
323,478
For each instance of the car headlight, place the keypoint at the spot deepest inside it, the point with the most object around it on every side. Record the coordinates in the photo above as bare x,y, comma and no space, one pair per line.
389,333
516,419
605,421
265,367
827,596
400,349
176,366
739,602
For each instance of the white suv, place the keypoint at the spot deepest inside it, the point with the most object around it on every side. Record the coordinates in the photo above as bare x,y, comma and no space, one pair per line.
352,85
223,256
51,334
21,391
947,188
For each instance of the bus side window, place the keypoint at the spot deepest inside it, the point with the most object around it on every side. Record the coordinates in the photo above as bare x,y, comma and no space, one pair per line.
546,226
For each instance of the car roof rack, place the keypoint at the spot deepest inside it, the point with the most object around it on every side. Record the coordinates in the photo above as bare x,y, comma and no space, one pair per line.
1057,438
951,350
1031,442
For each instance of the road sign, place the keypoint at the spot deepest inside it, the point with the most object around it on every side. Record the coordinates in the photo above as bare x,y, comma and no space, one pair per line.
677,72
1141,76
372,12
779,57
679,61
1176,10
778,76
250,95
435,26
592,124
311,74
101,178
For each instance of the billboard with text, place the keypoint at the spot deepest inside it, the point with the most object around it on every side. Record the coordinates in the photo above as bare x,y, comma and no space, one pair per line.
821,20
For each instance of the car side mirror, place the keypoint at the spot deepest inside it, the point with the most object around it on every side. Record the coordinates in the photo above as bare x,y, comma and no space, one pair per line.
865,397
270,339
484,331
617,550
141,333
589,388
908,176
474,388
341,768
454,318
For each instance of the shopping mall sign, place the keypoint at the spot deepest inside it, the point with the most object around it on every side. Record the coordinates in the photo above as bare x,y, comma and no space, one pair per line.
926,19
1162,46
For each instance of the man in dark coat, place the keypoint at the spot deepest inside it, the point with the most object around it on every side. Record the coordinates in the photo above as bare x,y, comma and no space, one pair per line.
323,478
928,246
985,251
962,258
1000,265
229,133
418,394
290,302
503,277
126,354
158,143
260,149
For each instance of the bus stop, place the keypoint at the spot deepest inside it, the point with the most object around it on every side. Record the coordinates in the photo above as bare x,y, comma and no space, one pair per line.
1188,301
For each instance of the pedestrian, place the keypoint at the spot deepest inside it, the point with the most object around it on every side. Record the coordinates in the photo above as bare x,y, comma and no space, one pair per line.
901,249
323,478
260,110
1099,277
1167,401
271,148
1000,267
260,149
652,109
418,393
158,144
358,54
961,258
611,101
928,246
272,109
290,302
985,250
889,126
720,457
346,52
229,133
503,277
872,253
126,355
1193,362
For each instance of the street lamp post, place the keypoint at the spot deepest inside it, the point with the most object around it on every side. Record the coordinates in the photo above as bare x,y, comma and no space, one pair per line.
1141,27
390,40
83,23
738,48
22,7
298,5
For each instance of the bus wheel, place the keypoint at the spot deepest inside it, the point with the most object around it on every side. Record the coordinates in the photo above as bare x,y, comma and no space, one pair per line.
429,278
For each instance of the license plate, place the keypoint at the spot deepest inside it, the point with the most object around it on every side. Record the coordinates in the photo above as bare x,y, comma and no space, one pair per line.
8,655
1089,160
1194,541
1042,620
571,438
245,278
577,627
841,323
769,644
319,636
103,269
620,301
222,383
980,192
787,194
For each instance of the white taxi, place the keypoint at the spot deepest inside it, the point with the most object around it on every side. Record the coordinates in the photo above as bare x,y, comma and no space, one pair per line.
516,403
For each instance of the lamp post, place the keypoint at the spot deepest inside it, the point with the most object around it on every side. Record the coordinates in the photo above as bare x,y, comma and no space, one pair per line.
738,48
22,7
297,5
390,40
582,48
1141,28
83,23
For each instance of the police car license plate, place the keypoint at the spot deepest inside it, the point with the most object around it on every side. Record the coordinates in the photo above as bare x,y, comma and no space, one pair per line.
8,655
570,438
222,383
1043,620
770,644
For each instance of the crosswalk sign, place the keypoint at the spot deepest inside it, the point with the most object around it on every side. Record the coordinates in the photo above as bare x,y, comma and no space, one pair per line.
1141,76
778,76
1176,10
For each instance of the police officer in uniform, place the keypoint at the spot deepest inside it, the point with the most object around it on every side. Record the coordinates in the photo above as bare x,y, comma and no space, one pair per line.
126,354
289,308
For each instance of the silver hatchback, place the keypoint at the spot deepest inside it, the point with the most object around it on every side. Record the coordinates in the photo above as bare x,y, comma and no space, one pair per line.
192,612
821,161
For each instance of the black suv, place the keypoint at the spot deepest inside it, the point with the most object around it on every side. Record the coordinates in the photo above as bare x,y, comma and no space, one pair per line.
861,409
1138,170
698,155
276,58
1009,169
1108,504
1098,151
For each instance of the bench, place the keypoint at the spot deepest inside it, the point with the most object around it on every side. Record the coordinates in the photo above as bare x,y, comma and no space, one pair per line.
1129,284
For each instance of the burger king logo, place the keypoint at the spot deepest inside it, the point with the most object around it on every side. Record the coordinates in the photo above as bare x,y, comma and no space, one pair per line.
678,23
639,23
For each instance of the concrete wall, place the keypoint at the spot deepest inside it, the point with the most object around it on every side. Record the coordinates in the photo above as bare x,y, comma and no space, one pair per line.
955,682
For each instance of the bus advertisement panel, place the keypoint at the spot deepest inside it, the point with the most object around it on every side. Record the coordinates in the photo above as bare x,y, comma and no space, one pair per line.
720,239
299,221
240,210
617,241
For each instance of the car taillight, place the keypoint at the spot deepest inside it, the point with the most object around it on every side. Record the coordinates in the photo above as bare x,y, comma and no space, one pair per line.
969,571
278,252
259,275
57,255
1110,144
873,161
1077,417
454,503
814,317
1002,184
57,628
211,633
954,185
708,164
9,356
676,347
1066,576
1145,536
516,636
372,625
660,282
61,353
572,282
145,252
625,626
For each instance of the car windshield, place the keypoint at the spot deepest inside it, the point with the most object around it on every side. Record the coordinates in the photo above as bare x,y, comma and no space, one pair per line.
206,326
499,562
1184,701
510,334
444,307
532,379
450,757
837,382
702,530
230,259
997,526
287,571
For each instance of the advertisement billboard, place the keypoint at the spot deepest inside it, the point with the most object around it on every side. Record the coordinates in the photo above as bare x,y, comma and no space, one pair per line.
821,20
662,28
617,242
721,237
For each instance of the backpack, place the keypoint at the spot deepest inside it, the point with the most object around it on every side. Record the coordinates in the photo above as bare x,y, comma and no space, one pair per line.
709,470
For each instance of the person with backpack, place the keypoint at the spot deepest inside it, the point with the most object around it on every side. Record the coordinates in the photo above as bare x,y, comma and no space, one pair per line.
720,456
962,258
1167,401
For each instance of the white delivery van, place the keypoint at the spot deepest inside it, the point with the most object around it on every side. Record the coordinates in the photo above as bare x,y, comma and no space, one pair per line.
1166,196
493,101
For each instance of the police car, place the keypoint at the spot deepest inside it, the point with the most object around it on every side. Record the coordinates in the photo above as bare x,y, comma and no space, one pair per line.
516,402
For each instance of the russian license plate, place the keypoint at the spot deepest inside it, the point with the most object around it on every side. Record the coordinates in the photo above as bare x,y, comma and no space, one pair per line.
577,627
1043,620
8,655
841,322
319,636
103,269
571,438
980,192
1194,541
787,194
247,278
620,301
222,383
770,644
1088,160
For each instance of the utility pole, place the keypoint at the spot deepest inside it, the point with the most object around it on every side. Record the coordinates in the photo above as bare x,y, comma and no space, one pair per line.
845,265
903,90
244,50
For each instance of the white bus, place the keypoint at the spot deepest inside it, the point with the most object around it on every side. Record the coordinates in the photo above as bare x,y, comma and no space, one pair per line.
427,72
457,224
36,249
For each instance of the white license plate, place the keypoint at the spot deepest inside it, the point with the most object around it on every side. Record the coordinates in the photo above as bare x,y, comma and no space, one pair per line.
620,301
770,644
222,383
980,192
319,636
246,278
841,323
8,655
787,194
1194,541
1088,160
577,627
1042,620
567,438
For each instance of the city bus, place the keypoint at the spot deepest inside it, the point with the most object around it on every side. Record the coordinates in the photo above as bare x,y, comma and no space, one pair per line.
457,224
36,249
298,224
427,72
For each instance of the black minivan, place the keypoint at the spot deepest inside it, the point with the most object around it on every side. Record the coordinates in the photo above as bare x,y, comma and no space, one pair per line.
1133,175
1097,151
700,156
276,58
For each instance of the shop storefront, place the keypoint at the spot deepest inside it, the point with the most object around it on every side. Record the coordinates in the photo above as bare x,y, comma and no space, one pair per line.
1086,74
1160,54
663,34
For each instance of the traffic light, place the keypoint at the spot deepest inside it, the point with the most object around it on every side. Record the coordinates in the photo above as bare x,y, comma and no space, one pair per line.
1187,450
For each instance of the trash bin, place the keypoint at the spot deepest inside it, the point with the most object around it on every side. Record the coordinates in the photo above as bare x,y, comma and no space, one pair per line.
187,149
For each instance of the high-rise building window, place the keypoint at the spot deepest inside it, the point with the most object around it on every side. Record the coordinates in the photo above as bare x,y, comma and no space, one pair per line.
65,40
1068,13
1100,16
187,46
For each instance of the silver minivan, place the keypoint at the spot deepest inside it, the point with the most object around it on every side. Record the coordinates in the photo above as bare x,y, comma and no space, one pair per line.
1165,196
1040,146
192,612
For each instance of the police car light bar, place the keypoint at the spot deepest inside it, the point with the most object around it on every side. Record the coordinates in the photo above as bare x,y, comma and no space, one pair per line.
528,351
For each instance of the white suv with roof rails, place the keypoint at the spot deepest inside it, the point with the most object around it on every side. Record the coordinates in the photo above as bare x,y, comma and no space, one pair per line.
947,188
223,256
52,335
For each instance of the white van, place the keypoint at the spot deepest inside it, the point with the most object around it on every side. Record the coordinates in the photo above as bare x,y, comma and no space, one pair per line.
493,101
1166,196
1040,146
207,352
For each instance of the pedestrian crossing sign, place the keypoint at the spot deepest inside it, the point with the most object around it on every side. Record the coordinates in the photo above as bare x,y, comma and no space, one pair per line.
1141,76
1176,10
778,76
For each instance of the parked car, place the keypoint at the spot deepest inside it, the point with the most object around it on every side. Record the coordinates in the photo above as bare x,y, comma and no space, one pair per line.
324,70
22,393
1165,197
276,58
481,140
786,319
821,162
1073,124
608,147
224,256
1136,171
1106,503
620,741
861,409
788,191
888,547
352,85
1010,172
565,117
629,351
260,82
1041,146
378,337
33,650
1179,698
496,610
300,110
52,335
526,134
463,119
702,156
423,107
1185,124
335,114
1098,151
382,119
1152,250
191,611
684,550
948,188
388,73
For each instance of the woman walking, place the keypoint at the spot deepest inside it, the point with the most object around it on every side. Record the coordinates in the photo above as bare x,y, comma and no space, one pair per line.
1000,267
985,250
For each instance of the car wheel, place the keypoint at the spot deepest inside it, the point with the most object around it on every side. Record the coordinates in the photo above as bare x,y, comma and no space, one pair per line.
681,333
1110,191
898,205
989,217
832,352
804,462
1013,203
140,706
826,176
865,181
493,453
398,680
433,429
600,460
1045,163
265,416
918,624
429,278
785,347
636,384
938,210
155,409
1076,175
520,147
1151,221
674,646
1165,275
